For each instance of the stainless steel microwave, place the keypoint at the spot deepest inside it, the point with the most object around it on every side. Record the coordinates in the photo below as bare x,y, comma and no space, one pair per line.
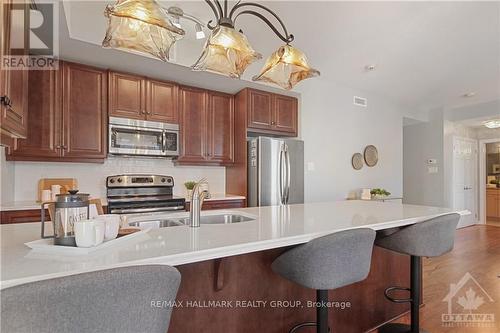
139,137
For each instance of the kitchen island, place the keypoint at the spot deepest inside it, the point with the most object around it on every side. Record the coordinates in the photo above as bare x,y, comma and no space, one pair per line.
230,262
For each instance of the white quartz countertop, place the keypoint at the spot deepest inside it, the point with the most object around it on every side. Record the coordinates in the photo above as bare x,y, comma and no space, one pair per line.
273,227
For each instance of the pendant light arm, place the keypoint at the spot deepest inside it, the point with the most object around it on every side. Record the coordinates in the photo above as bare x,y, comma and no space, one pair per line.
212,6
219,7
287,38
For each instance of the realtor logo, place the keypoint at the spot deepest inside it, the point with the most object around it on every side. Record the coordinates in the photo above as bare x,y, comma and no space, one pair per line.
466,301
32,35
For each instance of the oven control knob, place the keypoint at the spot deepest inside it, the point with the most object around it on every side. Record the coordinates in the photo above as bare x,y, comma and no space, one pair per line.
119,180
112,180
163,180
169,180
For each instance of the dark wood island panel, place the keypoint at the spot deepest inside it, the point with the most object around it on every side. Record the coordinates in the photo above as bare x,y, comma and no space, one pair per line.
249,277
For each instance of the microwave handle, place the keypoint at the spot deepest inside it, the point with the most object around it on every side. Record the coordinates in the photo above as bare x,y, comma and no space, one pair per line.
164,142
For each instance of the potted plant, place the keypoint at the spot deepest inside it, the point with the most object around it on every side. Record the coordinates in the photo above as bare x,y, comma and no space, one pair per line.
379,193
189,188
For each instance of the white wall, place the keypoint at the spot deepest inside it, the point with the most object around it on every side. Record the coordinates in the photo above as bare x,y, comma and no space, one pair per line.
422,142
6,179
333,129
91,177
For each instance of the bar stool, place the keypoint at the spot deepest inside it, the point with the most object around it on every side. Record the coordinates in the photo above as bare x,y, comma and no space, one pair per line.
113,300
325,263
431,238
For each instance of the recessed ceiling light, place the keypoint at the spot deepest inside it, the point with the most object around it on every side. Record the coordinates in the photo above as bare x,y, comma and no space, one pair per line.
370,68
469,94
493,123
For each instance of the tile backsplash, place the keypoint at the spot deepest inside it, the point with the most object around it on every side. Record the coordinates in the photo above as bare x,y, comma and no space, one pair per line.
92,177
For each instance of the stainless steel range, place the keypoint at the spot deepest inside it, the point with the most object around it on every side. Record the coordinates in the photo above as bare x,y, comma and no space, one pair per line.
142,194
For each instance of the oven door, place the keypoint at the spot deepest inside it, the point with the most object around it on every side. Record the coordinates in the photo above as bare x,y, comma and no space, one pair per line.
130,140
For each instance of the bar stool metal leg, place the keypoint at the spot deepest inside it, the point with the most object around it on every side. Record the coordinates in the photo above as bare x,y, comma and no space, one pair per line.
322,311
415,288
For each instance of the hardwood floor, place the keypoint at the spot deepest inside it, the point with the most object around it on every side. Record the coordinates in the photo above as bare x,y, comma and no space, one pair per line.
477,251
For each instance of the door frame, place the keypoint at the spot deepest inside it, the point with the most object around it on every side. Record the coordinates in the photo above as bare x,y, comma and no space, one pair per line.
482,175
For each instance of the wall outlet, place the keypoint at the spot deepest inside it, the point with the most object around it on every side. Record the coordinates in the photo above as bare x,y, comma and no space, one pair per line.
431,161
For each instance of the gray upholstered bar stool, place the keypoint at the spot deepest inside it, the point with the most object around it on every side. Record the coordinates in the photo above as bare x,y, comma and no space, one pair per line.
431,238
325,263
115,300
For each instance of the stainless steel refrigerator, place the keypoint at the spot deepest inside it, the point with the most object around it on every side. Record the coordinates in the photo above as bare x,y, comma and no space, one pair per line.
275,171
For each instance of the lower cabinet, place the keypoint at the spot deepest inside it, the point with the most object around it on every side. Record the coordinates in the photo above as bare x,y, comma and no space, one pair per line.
493,204
220,204
206,127
68,116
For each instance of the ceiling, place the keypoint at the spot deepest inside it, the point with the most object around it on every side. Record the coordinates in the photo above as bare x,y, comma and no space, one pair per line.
427,54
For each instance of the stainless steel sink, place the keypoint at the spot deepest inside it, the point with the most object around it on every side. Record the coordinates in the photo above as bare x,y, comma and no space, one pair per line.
207,219
155,224
218,219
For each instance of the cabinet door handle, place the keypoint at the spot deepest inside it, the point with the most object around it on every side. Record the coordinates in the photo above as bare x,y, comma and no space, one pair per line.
5,100
273,123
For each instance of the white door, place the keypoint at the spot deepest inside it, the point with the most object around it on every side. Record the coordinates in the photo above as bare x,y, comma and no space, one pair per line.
465,178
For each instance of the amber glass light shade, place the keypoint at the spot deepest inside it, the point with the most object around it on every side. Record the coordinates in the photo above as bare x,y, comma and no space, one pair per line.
227,52
286,67
140,26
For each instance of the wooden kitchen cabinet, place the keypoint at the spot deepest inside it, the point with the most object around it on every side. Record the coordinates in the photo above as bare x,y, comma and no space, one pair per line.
285,114
137,97
84,112
260,109
162,102
206,127
220,128
44,126
493,204
192,119
127,96
13,82
69,116
219,204
269,113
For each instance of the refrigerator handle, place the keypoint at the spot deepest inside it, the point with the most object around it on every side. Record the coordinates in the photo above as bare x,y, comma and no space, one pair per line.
282,194
288,176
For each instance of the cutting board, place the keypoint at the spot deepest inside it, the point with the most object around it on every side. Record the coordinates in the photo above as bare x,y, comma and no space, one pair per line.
66,185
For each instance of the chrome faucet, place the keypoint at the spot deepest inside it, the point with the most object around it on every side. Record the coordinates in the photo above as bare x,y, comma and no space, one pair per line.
196,203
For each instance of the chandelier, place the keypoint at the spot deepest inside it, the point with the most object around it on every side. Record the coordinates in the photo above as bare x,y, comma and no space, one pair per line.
143,26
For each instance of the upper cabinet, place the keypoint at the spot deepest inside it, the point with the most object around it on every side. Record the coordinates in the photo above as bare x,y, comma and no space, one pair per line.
269,113
84,112
13,82
220,128
127,96
260,109
68,116
206,127
137,97
161,102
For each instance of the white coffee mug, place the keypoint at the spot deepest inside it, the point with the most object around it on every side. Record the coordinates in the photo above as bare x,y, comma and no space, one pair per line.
89,233
111,225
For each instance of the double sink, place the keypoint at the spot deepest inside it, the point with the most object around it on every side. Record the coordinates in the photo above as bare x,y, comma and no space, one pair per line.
164,222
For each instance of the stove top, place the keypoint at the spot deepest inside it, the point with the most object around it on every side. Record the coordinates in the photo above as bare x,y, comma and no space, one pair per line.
140,193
